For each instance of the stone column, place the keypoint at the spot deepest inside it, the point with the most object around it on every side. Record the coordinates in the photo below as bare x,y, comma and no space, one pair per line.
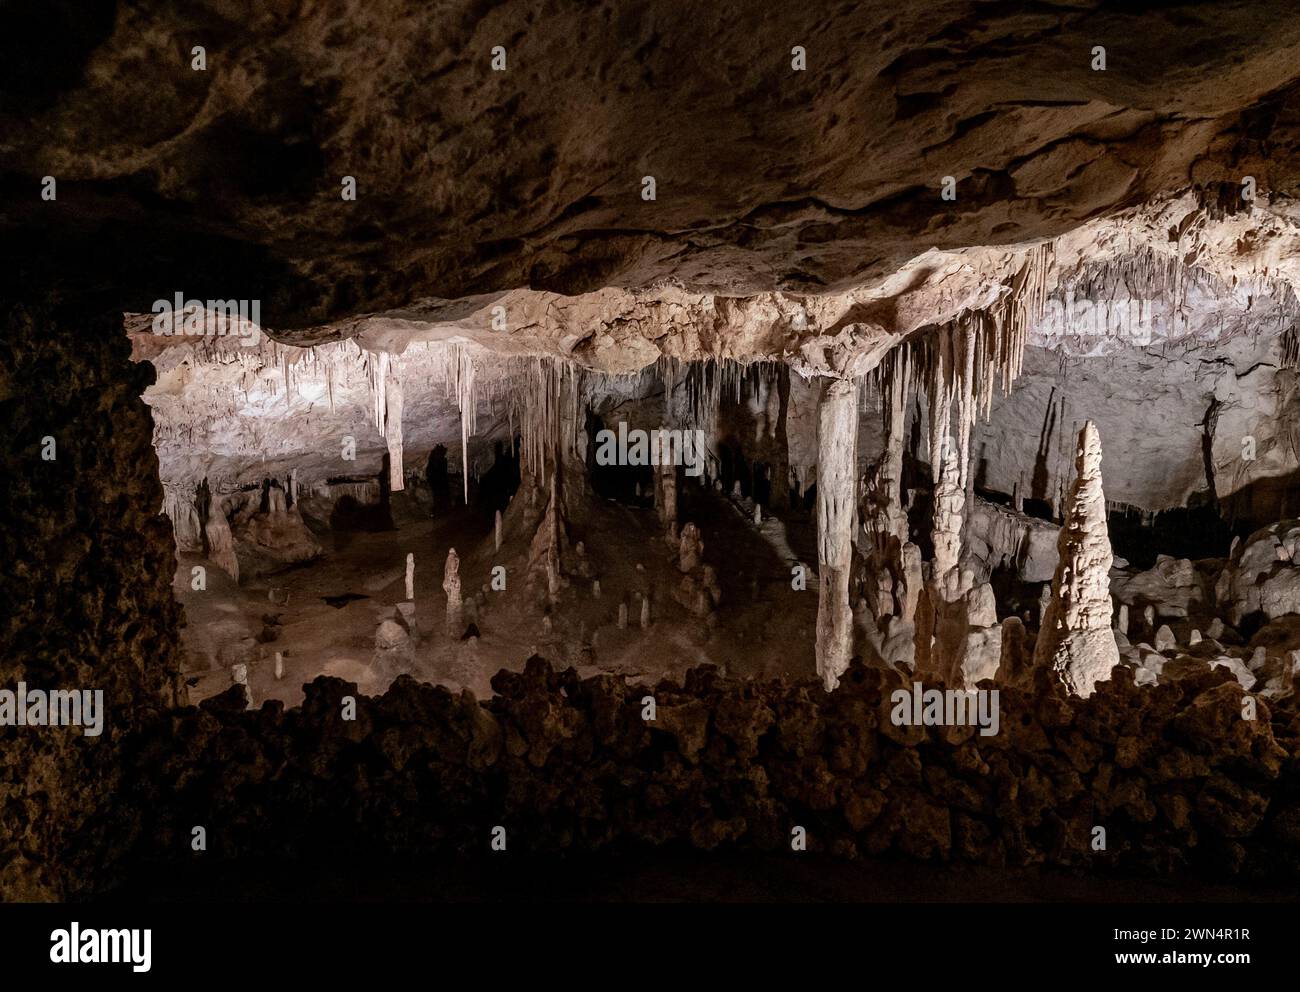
393,433
837,446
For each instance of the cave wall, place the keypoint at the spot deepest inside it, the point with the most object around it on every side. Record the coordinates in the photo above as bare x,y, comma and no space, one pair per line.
1151,406
87,587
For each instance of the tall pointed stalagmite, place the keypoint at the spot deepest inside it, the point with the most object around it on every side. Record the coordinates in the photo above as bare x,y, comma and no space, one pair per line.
837,446
1076,639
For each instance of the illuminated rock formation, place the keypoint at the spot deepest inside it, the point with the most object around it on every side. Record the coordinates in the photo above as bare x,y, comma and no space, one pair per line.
1076,640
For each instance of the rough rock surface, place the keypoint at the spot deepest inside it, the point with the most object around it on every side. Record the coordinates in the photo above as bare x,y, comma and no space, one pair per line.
808,181
87,588
1262,577
1175,774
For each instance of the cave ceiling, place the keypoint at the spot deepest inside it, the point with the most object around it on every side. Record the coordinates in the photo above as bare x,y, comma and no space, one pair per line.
795,213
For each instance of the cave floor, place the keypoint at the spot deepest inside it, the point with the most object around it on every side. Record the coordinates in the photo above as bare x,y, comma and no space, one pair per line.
762,629
672,877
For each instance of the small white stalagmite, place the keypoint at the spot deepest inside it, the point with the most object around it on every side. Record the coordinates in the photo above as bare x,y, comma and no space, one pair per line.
451,586
239,676
1076,639
496,530
410,576
837,444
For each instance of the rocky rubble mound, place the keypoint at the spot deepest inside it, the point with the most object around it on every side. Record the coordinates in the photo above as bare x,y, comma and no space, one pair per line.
1263,574
1174,774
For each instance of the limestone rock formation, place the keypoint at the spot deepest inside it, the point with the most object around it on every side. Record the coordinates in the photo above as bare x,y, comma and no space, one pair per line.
451,587
1263,574
837,458
1076,640
690,548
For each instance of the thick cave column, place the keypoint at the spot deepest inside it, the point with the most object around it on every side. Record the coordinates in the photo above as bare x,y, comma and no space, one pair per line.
884,518
837,446
393,432
1076,639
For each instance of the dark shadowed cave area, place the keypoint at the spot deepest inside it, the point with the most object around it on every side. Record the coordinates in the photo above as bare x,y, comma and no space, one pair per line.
523,501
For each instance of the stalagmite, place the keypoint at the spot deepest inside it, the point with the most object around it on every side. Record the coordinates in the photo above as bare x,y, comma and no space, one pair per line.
665,482
837,438
1121,620
279,665
1014,667
690,548
622,615
1165,639
645,612
221,543
410,576
239,676
1076,639
451,586
496,531
913,582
